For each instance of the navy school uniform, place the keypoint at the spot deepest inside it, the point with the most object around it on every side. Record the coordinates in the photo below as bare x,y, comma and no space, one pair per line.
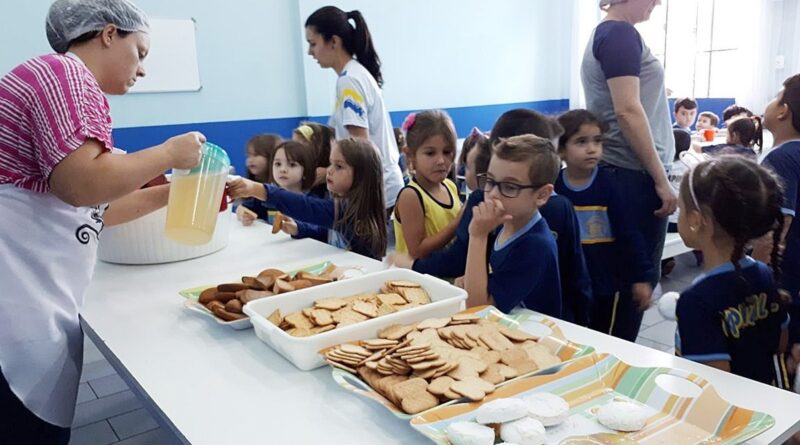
675,126
314,217
722,318
261,211
523,270
574,280
784,160
614,252
451,261
730,149
576,286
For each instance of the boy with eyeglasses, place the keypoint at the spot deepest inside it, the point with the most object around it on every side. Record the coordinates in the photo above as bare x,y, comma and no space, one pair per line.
522,269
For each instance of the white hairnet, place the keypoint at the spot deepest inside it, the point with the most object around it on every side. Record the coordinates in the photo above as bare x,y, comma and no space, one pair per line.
70,19
607,3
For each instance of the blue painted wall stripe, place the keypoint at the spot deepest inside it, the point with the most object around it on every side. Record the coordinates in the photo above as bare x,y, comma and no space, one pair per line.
234,135
714,105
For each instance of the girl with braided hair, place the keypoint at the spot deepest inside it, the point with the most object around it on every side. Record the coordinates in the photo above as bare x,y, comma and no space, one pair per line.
733,316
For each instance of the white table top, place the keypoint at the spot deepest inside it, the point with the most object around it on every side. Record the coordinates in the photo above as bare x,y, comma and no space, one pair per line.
216,385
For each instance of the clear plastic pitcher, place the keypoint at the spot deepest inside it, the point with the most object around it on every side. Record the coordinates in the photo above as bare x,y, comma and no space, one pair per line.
194,198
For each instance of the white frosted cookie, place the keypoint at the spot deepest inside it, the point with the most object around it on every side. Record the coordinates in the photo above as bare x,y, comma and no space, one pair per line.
547,408
622,416
501,410
525,431
470,433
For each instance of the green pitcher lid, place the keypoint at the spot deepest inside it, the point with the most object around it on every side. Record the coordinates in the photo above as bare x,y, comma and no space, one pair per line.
214,159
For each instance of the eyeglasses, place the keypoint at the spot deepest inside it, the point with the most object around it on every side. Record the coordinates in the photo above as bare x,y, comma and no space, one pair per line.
507,189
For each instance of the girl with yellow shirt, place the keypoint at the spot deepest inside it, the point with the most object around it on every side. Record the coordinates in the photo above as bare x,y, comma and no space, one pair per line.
428,208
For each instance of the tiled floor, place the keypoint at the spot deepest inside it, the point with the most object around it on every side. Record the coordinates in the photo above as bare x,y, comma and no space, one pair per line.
109,413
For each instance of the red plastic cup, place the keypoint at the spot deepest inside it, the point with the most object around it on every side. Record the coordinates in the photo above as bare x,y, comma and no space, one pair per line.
223,206
709,134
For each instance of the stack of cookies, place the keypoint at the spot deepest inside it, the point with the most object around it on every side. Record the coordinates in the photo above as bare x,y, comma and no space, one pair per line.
226,300
331,313
456,357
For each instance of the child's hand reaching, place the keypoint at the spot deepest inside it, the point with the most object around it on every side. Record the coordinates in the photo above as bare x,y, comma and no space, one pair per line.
245,188
642,294
289,226
245,215
401,260
486,216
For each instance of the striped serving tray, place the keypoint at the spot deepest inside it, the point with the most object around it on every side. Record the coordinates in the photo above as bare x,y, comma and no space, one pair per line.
592,381
545,328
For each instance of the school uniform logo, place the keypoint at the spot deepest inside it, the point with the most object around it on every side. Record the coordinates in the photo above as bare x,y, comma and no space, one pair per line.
747,314
594,224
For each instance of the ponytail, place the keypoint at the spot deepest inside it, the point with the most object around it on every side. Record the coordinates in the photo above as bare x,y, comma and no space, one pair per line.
749,130
331,21
758,137
363,48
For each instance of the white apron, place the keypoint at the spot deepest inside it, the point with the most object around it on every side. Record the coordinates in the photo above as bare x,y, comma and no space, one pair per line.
47,256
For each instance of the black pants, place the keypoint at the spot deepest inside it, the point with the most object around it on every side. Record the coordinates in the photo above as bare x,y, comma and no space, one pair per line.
18,425
616,315
640,190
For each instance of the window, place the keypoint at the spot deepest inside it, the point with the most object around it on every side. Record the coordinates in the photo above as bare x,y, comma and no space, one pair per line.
698,41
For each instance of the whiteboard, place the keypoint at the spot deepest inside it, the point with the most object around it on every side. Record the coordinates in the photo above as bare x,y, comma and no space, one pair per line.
171,64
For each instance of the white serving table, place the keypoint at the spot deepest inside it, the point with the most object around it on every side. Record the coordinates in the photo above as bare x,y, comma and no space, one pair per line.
209,384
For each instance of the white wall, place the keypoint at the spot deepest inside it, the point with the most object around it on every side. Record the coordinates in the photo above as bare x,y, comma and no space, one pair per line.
247,49
253,62
455,53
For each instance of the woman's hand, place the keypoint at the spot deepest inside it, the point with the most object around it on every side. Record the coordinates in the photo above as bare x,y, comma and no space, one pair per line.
245,215
669,202
245,188
185,150
289,226
642,294
486,216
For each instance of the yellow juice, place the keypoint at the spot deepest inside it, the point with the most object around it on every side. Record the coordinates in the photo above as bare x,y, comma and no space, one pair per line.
193,207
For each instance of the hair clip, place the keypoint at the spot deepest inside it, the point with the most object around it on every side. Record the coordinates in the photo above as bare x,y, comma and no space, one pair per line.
306,131
476,132
409,122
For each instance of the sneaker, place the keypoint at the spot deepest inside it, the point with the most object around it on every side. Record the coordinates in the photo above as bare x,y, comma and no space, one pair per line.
667,266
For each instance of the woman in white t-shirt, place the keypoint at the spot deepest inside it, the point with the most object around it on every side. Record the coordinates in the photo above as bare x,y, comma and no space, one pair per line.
360,112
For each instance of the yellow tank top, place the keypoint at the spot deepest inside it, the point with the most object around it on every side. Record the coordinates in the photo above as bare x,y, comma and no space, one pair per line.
437,215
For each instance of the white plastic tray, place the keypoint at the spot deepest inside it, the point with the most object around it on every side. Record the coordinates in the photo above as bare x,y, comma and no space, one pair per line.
303,352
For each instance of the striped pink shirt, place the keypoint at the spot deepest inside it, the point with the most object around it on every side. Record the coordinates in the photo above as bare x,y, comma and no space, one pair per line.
49,106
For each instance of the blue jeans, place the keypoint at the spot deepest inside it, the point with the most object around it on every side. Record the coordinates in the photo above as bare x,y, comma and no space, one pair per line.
640,191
